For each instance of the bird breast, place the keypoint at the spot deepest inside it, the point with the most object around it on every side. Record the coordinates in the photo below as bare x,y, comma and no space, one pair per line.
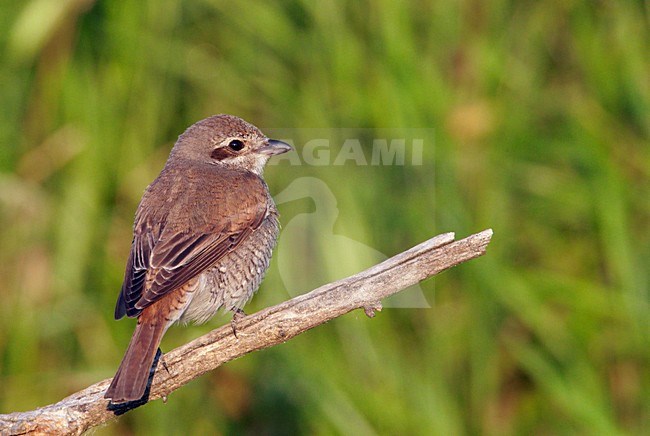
233,280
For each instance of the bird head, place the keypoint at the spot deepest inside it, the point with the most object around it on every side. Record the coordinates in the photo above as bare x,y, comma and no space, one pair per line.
228,141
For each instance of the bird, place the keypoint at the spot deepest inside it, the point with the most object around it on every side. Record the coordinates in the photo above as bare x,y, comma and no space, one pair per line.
203,236
310,236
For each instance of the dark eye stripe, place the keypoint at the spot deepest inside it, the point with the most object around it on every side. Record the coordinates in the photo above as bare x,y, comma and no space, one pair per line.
221,153
232,150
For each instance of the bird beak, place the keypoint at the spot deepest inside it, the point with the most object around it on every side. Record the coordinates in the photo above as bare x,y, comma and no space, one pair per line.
274,147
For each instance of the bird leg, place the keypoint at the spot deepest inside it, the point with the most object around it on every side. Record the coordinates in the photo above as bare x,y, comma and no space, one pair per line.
237,315
163,363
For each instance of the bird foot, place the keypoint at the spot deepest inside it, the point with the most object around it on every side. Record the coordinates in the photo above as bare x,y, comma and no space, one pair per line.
163,363
370,309
237,316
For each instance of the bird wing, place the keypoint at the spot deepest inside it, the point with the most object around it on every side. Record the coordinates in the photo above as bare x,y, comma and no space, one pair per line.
164,257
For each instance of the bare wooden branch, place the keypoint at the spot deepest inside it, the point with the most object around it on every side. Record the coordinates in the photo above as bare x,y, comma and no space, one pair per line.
274,325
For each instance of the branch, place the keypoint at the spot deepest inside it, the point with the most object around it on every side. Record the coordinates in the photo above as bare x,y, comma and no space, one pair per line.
274,325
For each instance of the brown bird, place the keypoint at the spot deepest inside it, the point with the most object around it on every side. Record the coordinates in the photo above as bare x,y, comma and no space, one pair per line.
202,239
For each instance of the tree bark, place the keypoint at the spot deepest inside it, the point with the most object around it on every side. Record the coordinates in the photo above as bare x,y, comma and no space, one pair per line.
271,326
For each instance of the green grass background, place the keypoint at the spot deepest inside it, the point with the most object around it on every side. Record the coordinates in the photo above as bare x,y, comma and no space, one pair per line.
541,113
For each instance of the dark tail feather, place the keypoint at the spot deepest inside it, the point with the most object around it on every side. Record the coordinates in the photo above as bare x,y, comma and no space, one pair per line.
130,381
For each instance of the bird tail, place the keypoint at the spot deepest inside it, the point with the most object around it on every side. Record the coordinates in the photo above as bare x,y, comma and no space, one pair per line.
130,381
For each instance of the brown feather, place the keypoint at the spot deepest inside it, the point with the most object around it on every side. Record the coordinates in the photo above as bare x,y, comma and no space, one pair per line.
179,239
202,239
131,378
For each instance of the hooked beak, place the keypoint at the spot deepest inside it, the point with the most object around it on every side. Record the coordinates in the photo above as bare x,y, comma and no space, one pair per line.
274,147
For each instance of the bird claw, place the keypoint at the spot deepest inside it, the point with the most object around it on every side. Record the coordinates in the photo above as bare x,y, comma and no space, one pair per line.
370,309
163,363
237,315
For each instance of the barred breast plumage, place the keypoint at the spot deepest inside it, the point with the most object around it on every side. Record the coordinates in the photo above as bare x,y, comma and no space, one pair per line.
233,280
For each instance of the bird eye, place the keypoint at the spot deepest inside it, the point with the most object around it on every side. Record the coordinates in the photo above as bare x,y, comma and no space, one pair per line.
236,144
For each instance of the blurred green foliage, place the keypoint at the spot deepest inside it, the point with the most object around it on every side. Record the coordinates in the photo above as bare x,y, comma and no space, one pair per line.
541,113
